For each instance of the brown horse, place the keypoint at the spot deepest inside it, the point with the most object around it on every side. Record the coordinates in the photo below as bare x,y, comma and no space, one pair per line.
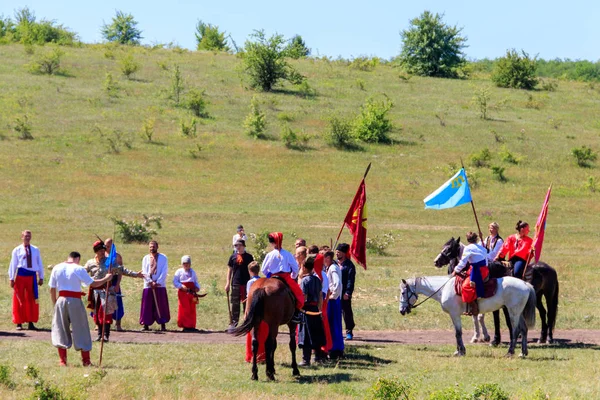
269,300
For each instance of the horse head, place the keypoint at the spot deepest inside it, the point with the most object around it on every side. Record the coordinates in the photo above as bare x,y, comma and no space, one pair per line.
408,296
450,251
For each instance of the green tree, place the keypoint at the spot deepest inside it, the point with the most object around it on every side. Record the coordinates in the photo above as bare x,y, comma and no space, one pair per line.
208,37
515,71
297,48
265,62
123,29
432,48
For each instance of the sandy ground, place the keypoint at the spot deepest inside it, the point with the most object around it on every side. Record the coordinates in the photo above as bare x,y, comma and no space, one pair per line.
561,337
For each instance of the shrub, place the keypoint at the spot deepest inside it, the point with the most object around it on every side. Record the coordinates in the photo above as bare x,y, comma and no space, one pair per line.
549,86
481,159
515,71
339,134
391,389
294,141
379,244
123,30
305,90
28,31
148,129
373,125
115,140
592,184
48,62
261,242
489,391
111,87
42,389
5,378
23,127
177,85
450,393
360,83
481,98
188,129
265,64
196,103
128,65
256,121
432,48
364,63
137,231
195,150
584,156
509,157
498,173
285,117
208,37
297,48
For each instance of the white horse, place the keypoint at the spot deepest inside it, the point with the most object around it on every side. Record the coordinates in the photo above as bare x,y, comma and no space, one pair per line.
518,297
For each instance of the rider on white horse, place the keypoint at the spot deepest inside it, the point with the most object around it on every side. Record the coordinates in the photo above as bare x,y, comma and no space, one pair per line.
474,255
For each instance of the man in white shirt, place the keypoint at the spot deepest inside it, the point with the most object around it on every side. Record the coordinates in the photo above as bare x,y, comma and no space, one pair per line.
25,266
155,302
69,323
240,235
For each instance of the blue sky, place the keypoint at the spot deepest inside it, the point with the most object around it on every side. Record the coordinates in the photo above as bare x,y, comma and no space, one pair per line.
564,29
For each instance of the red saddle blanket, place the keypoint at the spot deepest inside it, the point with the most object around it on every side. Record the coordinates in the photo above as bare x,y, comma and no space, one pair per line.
489,287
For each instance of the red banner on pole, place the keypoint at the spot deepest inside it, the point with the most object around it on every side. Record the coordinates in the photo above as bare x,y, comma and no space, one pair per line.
356,221
540,227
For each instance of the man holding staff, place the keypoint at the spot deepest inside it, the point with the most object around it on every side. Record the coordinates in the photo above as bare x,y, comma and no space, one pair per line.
69,323
155,302
25,265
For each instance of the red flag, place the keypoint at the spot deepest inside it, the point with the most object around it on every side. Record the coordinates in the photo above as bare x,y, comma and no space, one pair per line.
540,227
356,221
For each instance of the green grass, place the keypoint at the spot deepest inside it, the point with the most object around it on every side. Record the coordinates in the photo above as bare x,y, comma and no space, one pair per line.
64,185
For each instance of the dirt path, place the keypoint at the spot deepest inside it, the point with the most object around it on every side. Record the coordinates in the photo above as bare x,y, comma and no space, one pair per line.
563,337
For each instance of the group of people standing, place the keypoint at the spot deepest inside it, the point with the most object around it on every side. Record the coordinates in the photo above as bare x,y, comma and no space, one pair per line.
477,255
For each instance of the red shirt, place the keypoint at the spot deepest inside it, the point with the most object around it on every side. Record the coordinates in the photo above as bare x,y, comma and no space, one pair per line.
514,246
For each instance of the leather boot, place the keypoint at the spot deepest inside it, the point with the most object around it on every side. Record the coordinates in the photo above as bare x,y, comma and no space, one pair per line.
106,332
99,333
62,353
297,318
85,358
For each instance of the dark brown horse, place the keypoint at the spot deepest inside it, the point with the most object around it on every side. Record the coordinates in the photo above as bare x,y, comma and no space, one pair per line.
269,300
544,281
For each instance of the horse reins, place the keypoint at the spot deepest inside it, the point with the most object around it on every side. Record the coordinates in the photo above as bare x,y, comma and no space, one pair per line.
428,297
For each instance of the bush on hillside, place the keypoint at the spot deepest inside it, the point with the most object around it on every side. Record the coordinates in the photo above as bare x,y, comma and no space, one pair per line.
129,65
256,121
265,62
372,124
111,87
123,29
188,129
26,30
432,48
364,63
481,99
339,134
137,231
481,159
23,127
196,102
297,48
177,86
516,71
208,37
293,140
48,62
584,156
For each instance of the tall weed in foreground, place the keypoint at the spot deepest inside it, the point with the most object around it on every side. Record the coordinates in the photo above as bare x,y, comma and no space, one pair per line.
391,389
372,124
256,121
137,231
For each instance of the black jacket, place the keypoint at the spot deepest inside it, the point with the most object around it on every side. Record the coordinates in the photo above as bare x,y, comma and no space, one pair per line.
348,277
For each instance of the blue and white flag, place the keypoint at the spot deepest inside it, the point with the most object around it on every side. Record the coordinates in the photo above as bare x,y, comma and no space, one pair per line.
453,193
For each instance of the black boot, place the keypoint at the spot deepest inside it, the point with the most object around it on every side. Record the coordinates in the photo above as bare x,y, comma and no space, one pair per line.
99,332
32,327
297,318
106,332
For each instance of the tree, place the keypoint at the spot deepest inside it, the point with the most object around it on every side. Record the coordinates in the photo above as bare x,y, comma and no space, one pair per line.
123,30
515,71
297,48
208,37
432,48
265,62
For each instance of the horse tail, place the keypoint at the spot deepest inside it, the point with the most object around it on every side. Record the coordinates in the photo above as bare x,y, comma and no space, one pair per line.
255,313
529,310
552,303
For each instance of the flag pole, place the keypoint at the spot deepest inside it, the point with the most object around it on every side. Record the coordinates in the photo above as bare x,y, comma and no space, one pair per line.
473,207
537,232
104,312
344,223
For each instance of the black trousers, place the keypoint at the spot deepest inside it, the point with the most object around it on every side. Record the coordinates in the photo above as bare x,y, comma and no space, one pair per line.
238,294
348,314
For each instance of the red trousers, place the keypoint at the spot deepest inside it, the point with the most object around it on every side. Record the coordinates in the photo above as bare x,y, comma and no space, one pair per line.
25,306
186,311
469,294
294,287
328,340
263,333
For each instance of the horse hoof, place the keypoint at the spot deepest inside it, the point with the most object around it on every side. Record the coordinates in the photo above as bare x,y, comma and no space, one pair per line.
474,340
296,372
271,377
523,355
550,341
541,341
494,343
487,339
254,377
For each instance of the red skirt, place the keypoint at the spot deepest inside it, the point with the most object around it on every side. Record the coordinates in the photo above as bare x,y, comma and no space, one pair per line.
25,306
469,294
186,311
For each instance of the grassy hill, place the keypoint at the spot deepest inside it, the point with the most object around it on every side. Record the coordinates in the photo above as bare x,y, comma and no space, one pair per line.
66,184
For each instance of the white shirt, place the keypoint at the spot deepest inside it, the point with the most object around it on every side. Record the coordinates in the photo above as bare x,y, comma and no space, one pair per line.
162,268
250,282
280,261
69,276
19,260
237,237
325,282
181,276
472,253
335,281
491,256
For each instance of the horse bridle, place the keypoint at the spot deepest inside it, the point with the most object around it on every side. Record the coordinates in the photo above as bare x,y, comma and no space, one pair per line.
412,293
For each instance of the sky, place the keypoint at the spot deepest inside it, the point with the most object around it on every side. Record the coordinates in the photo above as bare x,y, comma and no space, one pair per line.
550,29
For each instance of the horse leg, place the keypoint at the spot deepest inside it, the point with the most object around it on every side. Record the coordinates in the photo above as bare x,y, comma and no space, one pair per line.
497,339
460,346
514,321
552,303
254,353
484,331
542,310
270,358
509,323
292,328
476,334
524,351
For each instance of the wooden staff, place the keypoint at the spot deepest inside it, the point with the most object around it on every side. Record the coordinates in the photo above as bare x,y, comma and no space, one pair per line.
156,303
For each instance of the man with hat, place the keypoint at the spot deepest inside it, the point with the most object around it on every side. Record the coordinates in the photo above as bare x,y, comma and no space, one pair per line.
348,277
155,302
69,323
186,282
104,306
25,265
237,278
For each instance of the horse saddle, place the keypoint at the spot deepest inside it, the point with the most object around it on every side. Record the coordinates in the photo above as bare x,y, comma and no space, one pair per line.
289,290
489,286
